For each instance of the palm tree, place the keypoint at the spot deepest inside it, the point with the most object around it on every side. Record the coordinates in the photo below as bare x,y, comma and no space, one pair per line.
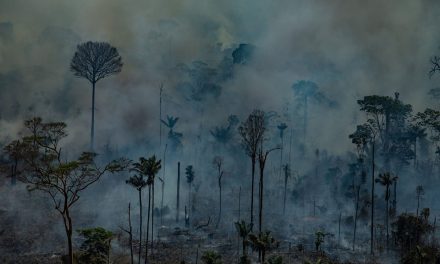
263,242
386,180
243,230
152,167
211,257
189,172
170,122
139,182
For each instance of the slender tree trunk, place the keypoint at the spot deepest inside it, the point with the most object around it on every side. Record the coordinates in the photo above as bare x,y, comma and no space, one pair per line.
415,153
92,131
305,119
189,201
244,247
148,224
372,205
386,217
261,200
239,204
152,220
285,192
395,198
160,118
68,228
252,191
281,158
140,225
418,204
339,230
130,233
356,217
220,203
163,185
178,192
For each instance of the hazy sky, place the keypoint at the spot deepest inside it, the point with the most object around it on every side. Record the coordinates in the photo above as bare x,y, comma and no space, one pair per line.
349,48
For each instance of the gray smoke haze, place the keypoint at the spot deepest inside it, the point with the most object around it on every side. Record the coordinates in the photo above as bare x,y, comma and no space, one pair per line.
349,48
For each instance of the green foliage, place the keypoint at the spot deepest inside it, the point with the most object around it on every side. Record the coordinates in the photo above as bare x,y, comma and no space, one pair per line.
275,260
211,257
95,248
146,170
263,242
410,231
319,239
243,229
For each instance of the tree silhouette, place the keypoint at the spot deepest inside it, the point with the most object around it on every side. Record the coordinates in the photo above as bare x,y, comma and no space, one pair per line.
95,61
139,182
152,167
243,230
281,127
363,134
386,180
218,165
173,137
189,172
223,134
287,174
263,242
43,167
251,132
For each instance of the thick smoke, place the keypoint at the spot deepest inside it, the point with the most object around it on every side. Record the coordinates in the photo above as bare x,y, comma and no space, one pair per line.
348,48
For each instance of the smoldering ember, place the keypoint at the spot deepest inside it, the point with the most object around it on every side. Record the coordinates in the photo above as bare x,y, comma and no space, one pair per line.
208,132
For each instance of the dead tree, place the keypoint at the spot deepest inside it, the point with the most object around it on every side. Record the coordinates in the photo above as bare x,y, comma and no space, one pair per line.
218,164
129,231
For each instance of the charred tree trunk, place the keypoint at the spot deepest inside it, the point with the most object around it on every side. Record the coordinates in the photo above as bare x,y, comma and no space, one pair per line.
68,228
356,216
178,192
252,190
140,225
152,220
220,201
130,234
148,224
387,213
92,131
372,205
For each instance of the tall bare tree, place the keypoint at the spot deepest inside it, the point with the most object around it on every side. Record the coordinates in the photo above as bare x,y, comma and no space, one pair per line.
95,61
43,167
251,132
218,164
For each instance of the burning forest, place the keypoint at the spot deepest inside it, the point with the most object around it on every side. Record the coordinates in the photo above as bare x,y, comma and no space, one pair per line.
209,132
